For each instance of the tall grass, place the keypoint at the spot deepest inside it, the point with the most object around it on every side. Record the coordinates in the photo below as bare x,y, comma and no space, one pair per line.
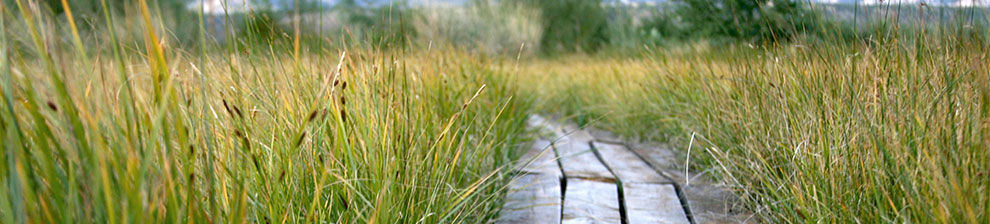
128,127
270,135
892,131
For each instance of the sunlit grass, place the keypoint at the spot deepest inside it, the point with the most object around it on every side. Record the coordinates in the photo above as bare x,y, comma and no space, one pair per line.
881,133
124,129
265,135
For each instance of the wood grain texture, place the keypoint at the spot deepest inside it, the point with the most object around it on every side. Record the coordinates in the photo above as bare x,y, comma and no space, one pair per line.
652,203
532,198
591,201
540,158
544,127
577,159
628,167
709,201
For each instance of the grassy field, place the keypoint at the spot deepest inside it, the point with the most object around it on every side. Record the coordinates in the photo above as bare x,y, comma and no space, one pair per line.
264,136
869,134
125,127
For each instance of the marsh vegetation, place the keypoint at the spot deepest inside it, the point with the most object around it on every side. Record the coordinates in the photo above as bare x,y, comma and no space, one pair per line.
155,111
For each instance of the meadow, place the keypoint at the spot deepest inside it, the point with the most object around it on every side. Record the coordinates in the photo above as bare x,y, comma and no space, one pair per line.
419,119
804,134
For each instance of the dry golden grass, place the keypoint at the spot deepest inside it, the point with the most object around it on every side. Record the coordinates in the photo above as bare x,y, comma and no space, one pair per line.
882,133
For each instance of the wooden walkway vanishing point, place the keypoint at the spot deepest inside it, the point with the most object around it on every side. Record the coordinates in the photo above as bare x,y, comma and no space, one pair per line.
570,177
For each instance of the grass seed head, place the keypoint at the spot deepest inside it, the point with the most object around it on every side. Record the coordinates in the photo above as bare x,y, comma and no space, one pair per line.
227,108
300,140
52,106
238,111
312,115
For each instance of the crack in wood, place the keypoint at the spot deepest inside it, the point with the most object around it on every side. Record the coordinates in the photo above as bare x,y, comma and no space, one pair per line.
677,188
618,184
623,189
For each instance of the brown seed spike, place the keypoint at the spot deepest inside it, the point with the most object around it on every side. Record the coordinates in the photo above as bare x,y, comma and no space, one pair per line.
192,178
257,165
342,201
343,116
300,140
238,111
312,115
225,107
335,82
281,176
343,101
343,85
52,106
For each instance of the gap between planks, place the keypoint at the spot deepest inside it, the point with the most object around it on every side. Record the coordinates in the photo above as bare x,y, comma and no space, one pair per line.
646,195
577,179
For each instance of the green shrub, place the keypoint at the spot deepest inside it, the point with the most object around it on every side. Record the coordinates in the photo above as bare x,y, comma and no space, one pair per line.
568,26
750,20
661,26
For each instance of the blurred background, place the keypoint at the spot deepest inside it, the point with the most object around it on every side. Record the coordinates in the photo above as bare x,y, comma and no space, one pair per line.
517,27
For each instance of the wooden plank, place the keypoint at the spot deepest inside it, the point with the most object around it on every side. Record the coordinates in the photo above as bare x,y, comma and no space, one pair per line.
709,201
648,196
577,159
591,201
652,203
543,126
628,167
540,158
532,198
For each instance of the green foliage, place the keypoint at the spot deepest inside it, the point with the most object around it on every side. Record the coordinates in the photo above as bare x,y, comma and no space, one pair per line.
260,26
661,26
576,25
383,27
749,20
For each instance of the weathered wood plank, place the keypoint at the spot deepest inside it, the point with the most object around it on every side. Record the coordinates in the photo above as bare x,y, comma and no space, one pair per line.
591,201
652,203
540,158
628,167
577,159
709,201
648,196
532,198
543,126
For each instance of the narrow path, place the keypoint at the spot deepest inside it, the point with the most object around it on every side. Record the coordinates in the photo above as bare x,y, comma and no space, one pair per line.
570,176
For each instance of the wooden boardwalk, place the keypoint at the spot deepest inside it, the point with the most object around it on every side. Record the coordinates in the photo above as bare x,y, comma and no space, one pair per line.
568,176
